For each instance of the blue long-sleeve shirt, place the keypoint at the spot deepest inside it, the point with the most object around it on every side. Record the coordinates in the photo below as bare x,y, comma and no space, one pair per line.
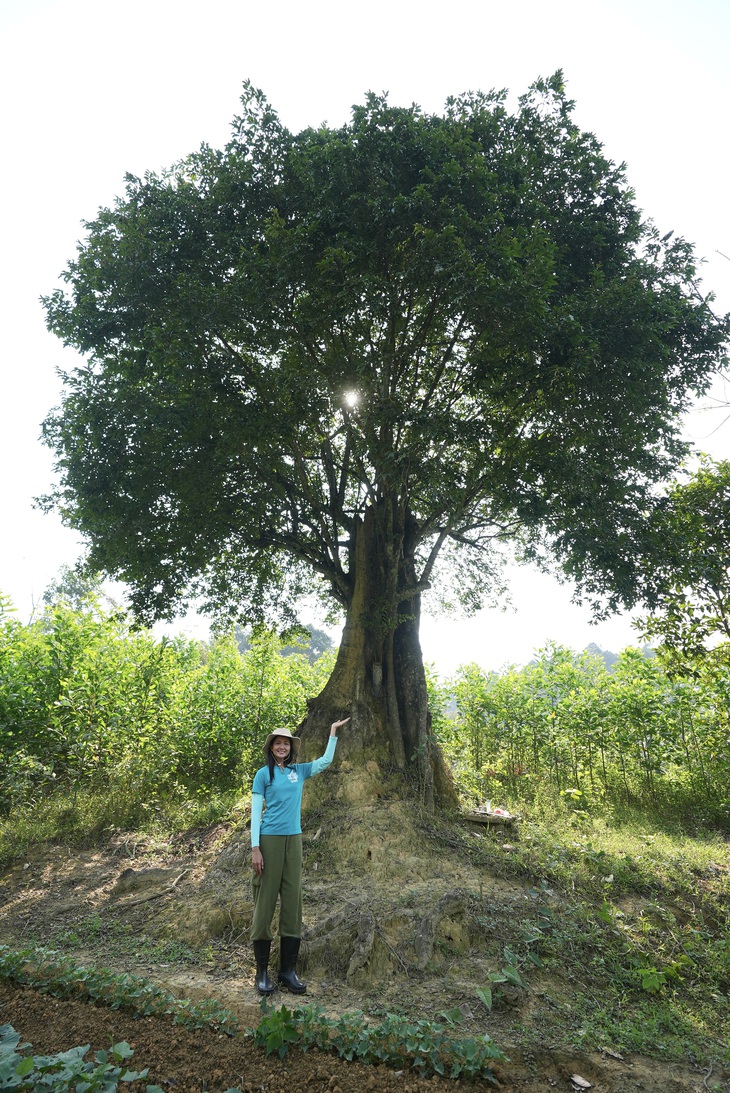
283,796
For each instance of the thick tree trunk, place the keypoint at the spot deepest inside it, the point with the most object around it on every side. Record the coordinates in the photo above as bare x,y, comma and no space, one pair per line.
378,678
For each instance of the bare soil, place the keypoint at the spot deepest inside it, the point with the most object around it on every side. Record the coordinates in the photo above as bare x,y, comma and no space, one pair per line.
396,923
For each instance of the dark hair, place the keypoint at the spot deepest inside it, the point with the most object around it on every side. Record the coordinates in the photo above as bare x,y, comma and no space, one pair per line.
271,762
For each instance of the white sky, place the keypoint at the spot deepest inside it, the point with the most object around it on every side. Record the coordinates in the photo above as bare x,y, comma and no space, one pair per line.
91,89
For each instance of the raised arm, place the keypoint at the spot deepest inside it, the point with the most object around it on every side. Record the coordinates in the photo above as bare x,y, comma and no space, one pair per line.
324,761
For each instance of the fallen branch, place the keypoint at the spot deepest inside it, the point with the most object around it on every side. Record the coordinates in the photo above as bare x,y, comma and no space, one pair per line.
156,895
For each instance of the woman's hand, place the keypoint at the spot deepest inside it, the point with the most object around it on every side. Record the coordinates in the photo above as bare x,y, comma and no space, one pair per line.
337,725
257,860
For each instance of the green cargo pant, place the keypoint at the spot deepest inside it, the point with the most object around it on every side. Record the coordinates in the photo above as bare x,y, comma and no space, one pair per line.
282,877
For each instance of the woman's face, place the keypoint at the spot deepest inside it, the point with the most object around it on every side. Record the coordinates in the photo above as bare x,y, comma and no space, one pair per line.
280,748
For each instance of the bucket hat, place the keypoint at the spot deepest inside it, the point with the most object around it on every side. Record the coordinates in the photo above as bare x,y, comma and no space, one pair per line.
295,741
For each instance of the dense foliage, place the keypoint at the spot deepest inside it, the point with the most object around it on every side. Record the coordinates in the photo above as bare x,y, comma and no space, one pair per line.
686,574
86,702
459,319
567,724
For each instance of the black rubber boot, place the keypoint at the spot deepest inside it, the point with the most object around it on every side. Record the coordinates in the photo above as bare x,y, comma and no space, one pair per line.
261,951
288,966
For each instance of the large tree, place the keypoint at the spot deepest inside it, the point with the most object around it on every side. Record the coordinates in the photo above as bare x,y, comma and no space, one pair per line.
345,355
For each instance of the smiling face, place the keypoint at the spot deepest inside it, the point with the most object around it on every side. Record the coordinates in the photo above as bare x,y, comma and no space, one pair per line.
280,748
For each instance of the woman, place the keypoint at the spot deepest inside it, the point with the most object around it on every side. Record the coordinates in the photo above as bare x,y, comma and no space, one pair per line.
276,853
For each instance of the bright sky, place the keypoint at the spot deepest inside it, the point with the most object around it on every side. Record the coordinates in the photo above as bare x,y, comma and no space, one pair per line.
91,89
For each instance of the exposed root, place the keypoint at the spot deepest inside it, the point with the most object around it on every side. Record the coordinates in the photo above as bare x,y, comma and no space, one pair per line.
330,943
363,949
450,905
343,942
352,942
